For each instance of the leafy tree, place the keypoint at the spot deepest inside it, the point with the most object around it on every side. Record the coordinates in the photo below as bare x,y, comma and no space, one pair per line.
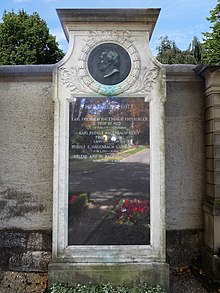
211,46
169,53
25,39
196,50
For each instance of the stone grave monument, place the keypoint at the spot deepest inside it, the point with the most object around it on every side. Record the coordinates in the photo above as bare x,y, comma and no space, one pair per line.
109,151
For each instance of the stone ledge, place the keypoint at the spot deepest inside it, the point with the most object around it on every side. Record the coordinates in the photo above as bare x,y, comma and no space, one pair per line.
147,17
181,73
128,273
26,73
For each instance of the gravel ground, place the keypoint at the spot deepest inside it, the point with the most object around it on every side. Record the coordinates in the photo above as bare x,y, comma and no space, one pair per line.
180,282
17,282
185,283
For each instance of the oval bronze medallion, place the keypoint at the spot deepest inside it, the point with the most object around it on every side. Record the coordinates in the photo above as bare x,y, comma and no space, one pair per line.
109,63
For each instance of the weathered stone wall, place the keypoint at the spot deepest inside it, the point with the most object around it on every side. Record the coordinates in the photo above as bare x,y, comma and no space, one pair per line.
185,148
26,156
185,163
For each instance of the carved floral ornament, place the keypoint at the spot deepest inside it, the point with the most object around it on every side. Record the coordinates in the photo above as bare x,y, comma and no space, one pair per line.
79,80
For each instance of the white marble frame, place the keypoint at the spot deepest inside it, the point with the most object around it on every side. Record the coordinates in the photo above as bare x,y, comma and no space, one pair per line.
109,253
156,96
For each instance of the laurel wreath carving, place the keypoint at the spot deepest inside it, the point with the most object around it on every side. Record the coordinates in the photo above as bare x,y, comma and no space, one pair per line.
119,36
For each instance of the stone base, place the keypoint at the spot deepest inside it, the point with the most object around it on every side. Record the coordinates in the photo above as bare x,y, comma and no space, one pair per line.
211,263
120,273
183,247
25,251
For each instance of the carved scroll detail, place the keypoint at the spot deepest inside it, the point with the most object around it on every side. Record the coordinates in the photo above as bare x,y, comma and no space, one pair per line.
71,79
144,83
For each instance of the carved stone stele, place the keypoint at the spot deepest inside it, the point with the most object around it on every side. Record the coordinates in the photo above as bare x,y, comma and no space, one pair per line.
88,30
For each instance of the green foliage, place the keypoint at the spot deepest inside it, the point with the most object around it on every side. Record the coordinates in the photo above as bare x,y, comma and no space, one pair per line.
169,53
78,200
196,50
104,288
25,39
211,46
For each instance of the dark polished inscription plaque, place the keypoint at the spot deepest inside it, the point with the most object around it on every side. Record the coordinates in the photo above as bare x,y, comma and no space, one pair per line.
109,172
109,63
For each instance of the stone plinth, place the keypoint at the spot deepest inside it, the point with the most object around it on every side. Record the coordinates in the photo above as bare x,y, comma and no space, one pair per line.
128,273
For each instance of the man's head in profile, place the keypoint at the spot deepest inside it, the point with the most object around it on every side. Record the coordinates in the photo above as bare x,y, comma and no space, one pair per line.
109,63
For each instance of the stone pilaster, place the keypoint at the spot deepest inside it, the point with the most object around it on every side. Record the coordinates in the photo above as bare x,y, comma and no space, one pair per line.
211,207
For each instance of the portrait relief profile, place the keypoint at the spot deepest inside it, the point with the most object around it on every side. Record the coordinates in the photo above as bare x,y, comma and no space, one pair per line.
109,63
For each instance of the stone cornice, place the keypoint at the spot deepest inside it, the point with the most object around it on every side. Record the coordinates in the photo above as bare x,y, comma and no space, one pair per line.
181,73
148,17
16,73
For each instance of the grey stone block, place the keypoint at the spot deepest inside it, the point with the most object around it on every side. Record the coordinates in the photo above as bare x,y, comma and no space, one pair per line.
128,273
30,261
